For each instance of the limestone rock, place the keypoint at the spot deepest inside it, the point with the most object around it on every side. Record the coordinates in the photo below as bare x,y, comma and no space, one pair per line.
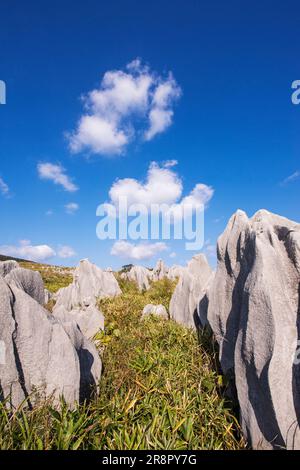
192,282
47,296
40,353
89,284
254,312
176,271
158,310
140,275
160,271
7,266
90,320
29,281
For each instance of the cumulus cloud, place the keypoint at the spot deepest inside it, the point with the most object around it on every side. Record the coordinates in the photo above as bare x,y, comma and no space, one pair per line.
128,103
199,196
161,113
71,208
139,251
39,253
162,186
98,135
173,254
66,252
4,189
57,174
27,251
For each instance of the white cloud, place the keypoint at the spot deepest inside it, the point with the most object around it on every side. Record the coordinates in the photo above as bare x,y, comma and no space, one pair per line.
101,136
161,113
162,186
37,253
160,119
140,251
66,252
200,195
173,254
27,251
49,212
125,103
4,189
293,177
57,174
71,208
170,163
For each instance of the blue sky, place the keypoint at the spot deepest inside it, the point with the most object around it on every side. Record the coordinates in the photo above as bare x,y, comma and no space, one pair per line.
234,127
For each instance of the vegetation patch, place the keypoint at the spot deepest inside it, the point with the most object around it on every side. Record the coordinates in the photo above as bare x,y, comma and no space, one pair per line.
160,389
54,277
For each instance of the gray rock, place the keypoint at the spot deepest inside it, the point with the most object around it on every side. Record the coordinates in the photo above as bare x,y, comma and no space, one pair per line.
40,354
89,284
158,310
47,296
203,302
175,272
90,320
160,271
191,284
140,275
90,364
30,282
254,312
7,266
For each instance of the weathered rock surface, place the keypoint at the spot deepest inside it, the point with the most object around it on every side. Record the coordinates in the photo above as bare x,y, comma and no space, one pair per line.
191,284
7,266
176,271
90,320
160,271
254,310
30,282
48,296
41,354
89,284
140,275
158,310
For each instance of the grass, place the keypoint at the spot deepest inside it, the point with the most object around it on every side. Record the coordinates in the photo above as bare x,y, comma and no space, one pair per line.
54,277
159,390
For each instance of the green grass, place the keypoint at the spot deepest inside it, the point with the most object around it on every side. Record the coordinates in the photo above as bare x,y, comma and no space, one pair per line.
54,277
159,390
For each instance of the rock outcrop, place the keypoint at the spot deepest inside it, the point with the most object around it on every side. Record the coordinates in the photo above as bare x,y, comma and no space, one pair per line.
176,271
160,271
89,284
191,284
7,266
78,301
90,319
157,310
48,296
30,282
41,354
254,310
140,275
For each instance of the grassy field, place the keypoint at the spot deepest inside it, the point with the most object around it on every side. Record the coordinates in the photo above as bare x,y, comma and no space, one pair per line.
54,277
160,389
